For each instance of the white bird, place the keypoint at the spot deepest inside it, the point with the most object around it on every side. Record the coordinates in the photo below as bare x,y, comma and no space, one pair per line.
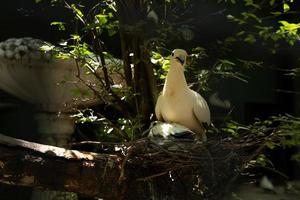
169,130
178,103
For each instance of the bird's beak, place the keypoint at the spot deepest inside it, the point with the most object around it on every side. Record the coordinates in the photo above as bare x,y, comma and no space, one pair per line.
180,59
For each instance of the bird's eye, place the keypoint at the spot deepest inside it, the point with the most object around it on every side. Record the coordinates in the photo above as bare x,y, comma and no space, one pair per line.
172,54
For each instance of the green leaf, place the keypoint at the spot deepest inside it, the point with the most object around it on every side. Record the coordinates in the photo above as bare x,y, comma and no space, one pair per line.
75,37
251,3
227,62
296,157
250,39
248,2
262,160
286,7
77,11
251,15
102,19
111,32
289,26
277,13
60,25
270,144
240,33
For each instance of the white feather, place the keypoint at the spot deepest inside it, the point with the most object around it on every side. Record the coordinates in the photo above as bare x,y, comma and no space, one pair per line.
167,129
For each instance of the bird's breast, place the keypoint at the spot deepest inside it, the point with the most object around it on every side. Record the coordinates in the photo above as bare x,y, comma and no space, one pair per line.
176,108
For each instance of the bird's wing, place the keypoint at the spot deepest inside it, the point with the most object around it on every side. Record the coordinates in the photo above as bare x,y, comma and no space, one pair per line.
201,109
158,109
170,130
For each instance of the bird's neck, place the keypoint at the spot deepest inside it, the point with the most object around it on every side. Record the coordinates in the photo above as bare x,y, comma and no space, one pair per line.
175,80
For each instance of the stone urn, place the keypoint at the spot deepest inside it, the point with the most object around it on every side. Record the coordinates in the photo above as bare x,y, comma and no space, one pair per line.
49,83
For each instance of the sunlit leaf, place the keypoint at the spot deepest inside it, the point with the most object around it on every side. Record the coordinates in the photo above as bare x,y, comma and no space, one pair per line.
102,19
77,11
271,2
59,25
286,7
250,39
75,37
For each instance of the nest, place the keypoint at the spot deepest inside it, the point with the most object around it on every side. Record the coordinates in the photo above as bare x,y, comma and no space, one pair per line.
184,168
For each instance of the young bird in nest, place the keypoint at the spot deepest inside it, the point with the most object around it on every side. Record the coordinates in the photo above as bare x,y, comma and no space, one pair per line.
178,103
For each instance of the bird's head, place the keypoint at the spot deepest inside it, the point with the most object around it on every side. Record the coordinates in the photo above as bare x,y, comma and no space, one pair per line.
179,55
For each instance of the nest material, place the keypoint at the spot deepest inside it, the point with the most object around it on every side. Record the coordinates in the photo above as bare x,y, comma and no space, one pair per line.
201,169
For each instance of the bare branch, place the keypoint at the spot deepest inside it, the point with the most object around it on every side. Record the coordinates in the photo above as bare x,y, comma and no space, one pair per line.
122,169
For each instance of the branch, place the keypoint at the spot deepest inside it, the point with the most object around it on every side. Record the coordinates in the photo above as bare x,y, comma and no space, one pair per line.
127,170
28,164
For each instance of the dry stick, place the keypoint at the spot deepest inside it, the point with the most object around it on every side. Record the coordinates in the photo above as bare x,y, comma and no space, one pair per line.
120,106
163,173
237,174
84,23
212,163
108,89
104,68
177,157
125,54
164,162
101,53
87,84
151,80
90,68
275,171
93,143
143,146
122,170
161,148
79,17
125,12
127,69
138,73
120,133
93,9
98,47
156,175
178,154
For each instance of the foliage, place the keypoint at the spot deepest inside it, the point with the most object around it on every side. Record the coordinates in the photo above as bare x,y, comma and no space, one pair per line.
267,24
148,32
286,127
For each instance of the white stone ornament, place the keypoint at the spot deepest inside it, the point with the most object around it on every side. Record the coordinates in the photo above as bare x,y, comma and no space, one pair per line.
37,77
47,82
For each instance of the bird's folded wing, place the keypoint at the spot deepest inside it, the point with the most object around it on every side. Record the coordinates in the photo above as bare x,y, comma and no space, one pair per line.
201,109
158,109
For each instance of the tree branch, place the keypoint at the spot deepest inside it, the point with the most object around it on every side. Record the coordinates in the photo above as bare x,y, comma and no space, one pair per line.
47,167
127,170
